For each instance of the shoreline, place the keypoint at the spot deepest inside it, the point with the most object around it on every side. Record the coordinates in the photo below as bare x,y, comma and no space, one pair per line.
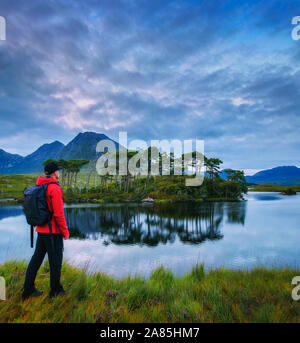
101,201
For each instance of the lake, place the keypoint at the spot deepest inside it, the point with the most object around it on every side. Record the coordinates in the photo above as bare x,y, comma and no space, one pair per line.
129,239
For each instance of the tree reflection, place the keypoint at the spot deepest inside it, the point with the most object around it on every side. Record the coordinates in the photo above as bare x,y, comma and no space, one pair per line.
153,224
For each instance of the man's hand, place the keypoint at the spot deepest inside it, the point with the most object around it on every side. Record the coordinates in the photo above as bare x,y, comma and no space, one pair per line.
67,237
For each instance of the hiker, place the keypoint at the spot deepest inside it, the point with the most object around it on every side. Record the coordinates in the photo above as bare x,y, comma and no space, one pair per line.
45,242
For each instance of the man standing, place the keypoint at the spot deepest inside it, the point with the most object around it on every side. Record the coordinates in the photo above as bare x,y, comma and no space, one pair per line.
43,244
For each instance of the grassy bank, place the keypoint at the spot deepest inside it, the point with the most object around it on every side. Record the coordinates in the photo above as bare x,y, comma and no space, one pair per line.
12,186
220,295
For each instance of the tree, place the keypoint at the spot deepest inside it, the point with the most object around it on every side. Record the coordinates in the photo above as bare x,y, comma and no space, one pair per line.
64,165
70,169
50,160
236,177
212,166
74,167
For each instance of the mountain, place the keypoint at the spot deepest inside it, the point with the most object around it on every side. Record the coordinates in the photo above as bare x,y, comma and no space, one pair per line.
284,175
84,146
223,174
34,162
16,164
7,160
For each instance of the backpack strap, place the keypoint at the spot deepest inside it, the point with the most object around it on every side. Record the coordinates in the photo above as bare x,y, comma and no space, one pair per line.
51,183
31,235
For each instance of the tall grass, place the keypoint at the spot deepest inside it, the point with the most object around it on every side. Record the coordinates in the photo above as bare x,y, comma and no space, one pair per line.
222,295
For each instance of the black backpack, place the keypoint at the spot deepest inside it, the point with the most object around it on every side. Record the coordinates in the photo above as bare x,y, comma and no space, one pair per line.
36,209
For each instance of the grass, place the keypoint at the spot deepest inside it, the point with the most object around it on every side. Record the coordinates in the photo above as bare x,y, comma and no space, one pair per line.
221,295
12,186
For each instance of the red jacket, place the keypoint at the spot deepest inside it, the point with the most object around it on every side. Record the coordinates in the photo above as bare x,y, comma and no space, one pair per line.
56,205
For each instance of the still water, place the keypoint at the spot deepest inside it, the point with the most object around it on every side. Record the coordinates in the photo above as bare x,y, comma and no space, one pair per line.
123,240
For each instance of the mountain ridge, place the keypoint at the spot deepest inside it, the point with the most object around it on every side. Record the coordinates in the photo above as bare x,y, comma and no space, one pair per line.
281,175
82,146
7,160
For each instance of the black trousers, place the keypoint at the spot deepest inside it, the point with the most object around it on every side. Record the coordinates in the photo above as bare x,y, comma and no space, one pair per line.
43,246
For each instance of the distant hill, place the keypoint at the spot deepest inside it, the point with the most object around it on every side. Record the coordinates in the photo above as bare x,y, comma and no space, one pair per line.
82,146
16,164
8,161
33,162
285,176
223,174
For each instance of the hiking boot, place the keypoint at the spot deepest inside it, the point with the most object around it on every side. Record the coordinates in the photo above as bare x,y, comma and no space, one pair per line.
55,294
34,294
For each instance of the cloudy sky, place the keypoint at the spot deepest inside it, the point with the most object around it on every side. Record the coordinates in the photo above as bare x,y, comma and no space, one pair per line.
227,72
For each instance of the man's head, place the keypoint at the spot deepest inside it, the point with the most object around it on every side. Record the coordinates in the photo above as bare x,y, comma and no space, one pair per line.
52,169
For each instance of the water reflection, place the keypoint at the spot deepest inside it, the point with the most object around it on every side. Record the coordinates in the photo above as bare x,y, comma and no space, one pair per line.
152,225
123,240
10,211
266,197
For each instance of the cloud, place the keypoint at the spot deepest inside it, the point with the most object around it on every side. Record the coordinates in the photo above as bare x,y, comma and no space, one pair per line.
227,73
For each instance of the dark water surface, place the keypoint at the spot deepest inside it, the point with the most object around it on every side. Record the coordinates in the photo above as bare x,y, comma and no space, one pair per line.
135,239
